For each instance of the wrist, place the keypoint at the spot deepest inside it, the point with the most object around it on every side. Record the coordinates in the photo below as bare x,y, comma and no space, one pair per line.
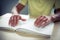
14,11
54,17
15,14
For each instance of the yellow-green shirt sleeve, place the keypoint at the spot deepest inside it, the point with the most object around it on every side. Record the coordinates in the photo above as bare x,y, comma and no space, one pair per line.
24,2
57,3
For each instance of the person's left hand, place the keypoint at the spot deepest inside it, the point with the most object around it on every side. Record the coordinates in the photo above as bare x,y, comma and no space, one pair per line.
42,21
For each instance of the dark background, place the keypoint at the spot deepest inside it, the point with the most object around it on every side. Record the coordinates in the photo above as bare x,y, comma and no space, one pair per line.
7,5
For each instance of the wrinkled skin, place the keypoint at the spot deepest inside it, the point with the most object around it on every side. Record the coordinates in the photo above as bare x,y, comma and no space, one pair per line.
14,20
42,21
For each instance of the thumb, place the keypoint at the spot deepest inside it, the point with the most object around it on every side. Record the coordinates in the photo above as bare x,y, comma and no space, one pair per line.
22,18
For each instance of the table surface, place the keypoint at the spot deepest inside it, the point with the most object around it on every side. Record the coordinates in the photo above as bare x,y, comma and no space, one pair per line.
56,32
6,35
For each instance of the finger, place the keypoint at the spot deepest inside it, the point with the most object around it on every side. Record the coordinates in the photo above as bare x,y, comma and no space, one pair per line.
41,20
14,20
40,23
37,20
45,23
23,19
10,20
17,19
11,23
35,23
20,18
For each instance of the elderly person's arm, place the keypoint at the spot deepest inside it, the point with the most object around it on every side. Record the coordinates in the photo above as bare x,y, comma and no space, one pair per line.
56,17
15,11
15,14
57,11
45,20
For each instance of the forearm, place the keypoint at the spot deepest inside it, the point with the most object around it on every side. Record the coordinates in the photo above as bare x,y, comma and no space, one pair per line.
56,16
17,8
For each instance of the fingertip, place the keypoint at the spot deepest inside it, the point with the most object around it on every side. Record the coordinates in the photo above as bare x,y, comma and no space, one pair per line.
12,25
9,22
20,18
36,25
35,21
23,19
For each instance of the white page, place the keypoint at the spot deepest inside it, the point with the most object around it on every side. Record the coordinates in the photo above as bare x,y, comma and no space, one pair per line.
27,25
30,28
4,21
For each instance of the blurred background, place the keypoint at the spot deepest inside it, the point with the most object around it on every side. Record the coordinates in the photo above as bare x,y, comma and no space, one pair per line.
7,5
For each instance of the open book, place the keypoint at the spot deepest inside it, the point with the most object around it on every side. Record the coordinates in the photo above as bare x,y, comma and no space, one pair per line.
26,26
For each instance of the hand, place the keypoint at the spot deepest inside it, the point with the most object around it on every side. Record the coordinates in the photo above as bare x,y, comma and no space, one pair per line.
14,20
42,21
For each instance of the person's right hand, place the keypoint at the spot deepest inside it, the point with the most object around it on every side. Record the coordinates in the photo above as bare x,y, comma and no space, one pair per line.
14,20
